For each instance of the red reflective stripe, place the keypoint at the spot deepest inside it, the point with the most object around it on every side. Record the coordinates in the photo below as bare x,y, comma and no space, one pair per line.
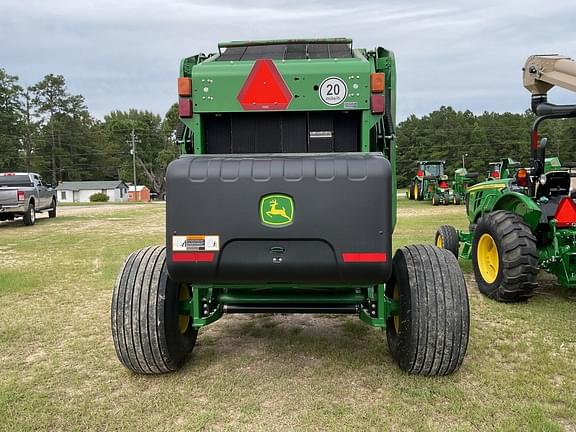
193,256
535,140
366,257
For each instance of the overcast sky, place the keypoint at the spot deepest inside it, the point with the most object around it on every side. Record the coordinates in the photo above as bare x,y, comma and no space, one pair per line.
124,54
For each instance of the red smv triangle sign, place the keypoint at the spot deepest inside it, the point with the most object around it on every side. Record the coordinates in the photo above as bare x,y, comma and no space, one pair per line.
264,89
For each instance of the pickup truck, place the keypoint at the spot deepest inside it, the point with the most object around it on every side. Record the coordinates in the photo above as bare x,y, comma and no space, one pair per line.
24,195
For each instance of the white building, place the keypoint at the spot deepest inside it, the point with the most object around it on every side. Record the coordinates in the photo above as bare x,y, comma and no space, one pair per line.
81,191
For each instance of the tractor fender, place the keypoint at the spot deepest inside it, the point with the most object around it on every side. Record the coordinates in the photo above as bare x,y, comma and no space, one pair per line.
520,204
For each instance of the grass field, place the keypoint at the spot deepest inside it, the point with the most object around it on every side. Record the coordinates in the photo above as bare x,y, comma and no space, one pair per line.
58,368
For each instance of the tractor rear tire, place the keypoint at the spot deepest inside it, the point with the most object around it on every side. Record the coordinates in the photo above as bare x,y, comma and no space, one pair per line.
411,192
505,257
430,336
30,215
150,337
417,192
447,238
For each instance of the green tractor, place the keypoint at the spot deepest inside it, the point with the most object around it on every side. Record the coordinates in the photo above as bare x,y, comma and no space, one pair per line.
442,193
503,169
423,185
284,201
527,222
462,181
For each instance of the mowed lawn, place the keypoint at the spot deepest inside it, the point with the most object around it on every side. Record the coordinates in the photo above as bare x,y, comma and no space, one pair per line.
58,368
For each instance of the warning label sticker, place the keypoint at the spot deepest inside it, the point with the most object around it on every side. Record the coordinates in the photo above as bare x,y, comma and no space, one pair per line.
195,243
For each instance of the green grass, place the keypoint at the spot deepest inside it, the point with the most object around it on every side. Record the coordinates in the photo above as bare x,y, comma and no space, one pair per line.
58,369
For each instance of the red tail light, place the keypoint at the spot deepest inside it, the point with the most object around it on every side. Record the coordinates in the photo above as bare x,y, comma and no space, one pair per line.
443,184
420,173
565,213
377,104
522,177
185,107
21,195
264,88
495,175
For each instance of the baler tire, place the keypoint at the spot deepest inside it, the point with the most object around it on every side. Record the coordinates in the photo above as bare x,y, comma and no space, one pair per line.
431,336
515,277
144,315
447,238
52,211
30,215
435,200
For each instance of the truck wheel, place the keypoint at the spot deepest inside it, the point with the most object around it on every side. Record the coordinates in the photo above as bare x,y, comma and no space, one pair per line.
30,215
447,238
149,335
52,212
504,257
430,335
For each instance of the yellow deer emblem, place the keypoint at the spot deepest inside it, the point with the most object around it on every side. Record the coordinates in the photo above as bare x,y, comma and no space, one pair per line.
274,211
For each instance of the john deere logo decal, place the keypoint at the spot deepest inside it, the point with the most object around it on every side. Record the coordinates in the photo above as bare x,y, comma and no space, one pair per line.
276,210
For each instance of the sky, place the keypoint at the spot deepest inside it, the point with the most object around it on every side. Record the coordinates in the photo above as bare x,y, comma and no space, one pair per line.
125,54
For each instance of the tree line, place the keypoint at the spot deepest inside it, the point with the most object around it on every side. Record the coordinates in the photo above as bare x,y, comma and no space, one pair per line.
446,134
45,129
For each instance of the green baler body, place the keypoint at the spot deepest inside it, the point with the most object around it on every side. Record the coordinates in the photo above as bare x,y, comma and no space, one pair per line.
216,86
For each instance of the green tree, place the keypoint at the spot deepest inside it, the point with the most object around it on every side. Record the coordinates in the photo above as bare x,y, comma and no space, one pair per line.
155,145
10,122
64,141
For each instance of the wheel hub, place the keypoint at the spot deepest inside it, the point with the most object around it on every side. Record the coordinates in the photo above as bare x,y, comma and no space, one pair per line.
488,258
183,320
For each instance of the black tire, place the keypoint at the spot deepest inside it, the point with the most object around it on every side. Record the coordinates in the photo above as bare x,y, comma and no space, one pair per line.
411,192
145,320
447,238
457,200
430,336
509,273
52,212
419,191
30,215
446,198
435,200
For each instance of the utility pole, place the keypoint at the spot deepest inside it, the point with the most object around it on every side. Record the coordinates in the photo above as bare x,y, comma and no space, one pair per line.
463,156
133,141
